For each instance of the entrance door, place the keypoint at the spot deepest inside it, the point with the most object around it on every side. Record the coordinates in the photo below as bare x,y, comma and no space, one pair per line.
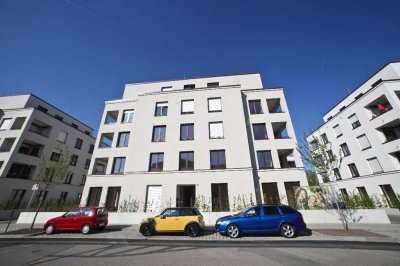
290,189
185,195
270,193
153,199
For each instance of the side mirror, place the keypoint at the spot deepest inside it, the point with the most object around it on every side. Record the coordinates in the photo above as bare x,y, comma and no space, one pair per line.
162,216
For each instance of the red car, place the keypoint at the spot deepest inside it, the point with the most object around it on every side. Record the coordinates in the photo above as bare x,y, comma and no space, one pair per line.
84,219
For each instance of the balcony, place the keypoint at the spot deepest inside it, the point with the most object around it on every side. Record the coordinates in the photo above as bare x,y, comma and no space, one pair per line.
280,130
378,107
390,131
40,128
274,105
286,158
21,171
31,148
100,166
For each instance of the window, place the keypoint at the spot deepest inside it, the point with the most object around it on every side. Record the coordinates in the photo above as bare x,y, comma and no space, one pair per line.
274,106
324,139
42,109
336,172
331,157
100,166
123,139
74,126
269,210
338,131
111,117
219,197
345,149
212,84
156,162
187,107
363,193
78,143
280,130
87,132
259,131
106,140
313,144
355,123
161,109
55,156
91,148
68,179
344,192
74,160
127,116
264,159
187,132
21,171
60,118
217,159
5,123
119,165
87,163
375,165
214,105
15,199
353,170
253,212
62,136
186,160
83,181
7,144
364,142
168,88
18,123
216,130
189,86
94,196
255,107
112,198
159,134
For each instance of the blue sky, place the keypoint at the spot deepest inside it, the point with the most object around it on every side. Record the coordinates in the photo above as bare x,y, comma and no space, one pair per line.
77,54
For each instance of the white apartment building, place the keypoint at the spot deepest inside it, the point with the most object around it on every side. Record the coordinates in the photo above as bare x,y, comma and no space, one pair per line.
216,138
32,129
365,126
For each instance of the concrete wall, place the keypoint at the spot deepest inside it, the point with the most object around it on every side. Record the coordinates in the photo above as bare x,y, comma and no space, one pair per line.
375,216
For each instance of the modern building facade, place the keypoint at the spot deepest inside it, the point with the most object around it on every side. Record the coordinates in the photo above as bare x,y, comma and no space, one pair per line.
365,126
32,129
210,140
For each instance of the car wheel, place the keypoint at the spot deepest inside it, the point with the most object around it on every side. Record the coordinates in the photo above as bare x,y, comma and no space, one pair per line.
147,230
233,231
49,229
288,231
85,229
193,230
101,228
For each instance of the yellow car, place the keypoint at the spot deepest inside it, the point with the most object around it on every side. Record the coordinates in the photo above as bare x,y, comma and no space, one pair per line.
187,220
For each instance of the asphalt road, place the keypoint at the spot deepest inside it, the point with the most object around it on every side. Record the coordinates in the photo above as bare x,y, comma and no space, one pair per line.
106,252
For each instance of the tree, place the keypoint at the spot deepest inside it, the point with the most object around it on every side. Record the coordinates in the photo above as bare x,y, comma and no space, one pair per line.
317,154
52,171
312,178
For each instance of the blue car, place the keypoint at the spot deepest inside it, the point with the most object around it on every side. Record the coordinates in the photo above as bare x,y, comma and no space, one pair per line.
262,219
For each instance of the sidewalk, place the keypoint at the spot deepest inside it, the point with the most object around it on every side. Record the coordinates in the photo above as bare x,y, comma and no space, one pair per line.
320,232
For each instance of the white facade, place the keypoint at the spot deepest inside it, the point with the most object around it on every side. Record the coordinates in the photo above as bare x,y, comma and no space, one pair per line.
207,120
32,129
368,121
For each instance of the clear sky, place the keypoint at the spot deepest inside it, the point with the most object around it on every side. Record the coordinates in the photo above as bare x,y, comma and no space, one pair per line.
77,54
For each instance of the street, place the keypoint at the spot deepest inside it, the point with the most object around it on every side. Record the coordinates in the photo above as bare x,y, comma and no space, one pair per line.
144,252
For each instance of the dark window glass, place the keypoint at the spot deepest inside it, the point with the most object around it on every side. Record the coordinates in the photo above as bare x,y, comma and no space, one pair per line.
186,160
91,148
78,143
324,138
74,160
255,107
212,84
271,211
161,109
41,108
345,149
156,161
119,165
259,131
123,139
264,159
287,210
189,86
159,133
353,170
218,159
74,125
187,132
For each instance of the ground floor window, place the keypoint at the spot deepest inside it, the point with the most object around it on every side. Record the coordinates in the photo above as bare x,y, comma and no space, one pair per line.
112,200
185,195
390,196
290,193
15,199
94,196
153,198
220,198
270,193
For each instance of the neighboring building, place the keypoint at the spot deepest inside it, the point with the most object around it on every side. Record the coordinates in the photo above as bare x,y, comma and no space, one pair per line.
172,142
366,127
32,129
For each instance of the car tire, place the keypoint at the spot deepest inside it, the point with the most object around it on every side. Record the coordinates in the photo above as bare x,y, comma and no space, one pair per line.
85,229
101,228
193,230
147,229
288,230
233,231
50,229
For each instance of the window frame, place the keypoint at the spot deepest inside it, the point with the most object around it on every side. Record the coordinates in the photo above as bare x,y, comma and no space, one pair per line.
252,104
220,104
186,167
187,132
209,130
121,166
159,134
156,169
265,159
218,165
190,112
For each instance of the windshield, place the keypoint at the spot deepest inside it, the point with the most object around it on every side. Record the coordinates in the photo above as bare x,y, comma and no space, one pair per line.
246,210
